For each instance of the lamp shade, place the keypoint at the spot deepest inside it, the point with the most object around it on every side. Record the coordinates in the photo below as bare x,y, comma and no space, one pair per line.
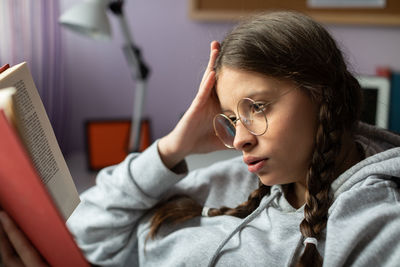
88,18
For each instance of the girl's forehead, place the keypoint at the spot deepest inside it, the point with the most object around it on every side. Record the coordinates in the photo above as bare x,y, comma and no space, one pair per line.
233,85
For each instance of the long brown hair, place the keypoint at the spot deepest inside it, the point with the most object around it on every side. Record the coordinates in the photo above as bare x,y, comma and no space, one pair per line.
290,46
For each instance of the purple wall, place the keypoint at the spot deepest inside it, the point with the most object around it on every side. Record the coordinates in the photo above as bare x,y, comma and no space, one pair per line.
99,85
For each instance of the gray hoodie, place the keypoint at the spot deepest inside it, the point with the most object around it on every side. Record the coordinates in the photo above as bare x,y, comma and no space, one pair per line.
363,229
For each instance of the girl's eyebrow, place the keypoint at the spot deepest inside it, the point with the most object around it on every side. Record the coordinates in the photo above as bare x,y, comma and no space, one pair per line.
268,94
223,111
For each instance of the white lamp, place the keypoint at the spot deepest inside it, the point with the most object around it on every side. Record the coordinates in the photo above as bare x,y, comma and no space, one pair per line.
90,18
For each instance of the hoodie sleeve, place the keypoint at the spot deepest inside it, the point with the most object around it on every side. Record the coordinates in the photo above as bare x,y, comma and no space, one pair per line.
103,224
364,226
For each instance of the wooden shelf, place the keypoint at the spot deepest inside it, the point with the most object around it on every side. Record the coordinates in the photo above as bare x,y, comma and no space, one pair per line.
233,10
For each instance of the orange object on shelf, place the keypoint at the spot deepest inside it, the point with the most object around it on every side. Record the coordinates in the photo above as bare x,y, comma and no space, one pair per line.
108,141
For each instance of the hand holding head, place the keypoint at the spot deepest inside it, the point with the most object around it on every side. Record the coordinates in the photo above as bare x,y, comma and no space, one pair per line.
194,133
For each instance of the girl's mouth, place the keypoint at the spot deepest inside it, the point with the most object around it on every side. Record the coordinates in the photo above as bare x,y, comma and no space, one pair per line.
255,166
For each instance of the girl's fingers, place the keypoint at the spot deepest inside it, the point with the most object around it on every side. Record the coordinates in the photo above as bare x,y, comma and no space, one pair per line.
23,248
210,65
214,49
206,88
215,45
6,251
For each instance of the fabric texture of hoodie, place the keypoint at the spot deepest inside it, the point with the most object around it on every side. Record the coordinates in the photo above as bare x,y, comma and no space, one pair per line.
363,229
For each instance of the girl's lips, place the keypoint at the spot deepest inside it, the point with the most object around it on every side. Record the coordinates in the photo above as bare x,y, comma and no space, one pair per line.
256,166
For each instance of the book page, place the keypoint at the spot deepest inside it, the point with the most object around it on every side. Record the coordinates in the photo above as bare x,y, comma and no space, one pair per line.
38,137
33,135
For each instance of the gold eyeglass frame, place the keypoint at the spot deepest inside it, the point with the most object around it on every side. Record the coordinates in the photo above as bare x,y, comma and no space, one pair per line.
233,123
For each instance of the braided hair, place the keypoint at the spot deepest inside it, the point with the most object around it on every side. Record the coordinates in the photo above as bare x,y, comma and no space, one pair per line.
290,46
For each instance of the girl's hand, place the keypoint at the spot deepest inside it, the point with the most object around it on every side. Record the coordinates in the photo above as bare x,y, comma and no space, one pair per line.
194,133
15,248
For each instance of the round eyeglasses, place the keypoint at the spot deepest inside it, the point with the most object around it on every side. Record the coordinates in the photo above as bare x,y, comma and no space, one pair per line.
251,115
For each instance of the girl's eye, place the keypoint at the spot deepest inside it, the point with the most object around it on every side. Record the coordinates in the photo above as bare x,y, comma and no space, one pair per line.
258,107
233,119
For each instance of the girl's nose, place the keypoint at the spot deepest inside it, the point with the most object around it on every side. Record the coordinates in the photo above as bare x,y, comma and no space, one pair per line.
244,140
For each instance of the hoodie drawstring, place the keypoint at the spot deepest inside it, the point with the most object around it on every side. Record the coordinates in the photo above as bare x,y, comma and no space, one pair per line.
247,220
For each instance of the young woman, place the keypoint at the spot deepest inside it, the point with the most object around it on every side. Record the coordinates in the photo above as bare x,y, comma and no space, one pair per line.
314,186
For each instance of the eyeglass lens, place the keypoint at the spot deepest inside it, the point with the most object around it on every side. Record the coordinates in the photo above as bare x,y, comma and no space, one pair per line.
252,117
224,129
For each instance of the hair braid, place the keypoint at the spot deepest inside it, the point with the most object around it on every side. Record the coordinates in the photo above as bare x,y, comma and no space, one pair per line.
320,176
180,208
245,208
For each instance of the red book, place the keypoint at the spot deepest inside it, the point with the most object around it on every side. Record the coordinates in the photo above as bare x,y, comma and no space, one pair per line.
26,200
36,187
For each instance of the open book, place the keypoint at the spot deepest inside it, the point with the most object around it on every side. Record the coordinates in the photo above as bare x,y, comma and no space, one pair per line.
36,187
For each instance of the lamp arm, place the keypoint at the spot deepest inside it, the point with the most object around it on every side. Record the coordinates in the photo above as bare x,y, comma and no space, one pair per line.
116,8
139,71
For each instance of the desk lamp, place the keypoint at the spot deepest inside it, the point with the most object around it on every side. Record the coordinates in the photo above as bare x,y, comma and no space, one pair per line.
89,18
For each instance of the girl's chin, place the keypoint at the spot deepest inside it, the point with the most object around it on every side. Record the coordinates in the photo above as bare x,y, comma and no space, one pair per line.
268,180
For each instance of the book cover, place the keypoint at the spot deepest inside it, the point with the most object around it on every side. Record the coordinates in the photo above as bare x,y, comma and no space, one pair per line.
24,197
36,187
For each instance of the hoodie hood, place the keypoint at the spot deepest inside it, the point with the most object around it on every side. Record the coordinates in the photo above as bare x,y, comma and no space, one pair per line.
382,158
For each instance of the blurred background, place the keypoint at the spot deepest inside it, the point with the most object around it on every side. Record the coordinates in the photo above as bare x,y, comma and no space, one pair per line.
81,79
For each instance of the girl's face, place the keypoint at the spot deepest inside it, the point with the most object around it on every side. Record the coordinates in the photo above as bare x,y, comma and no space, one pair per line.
282,154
